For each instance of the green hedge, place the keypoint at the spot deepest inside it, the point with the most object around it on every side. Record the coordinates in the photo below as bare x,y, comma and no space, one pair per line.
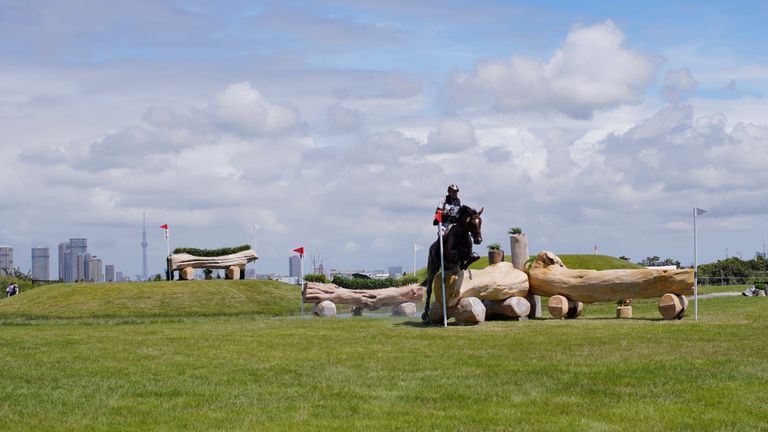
211,252
355,283
315,278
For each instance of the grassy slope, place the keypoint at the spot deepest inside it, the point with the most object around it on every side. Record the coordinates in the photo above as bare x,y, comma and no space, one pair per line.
154,299
247,373
593,262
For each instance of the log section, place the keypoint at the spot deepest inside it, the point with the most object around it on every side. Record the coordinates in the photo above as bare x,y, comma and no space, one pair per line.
240,259
370,299
548,276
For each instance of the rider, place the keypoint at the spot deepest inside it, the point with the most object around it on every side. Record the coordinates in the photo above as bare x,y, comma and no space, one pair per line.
449,207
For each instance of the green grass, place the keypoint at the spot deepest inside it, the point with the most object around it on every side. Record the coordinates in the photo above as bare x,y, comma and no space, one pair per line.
154,299
596,262
216,355
252,373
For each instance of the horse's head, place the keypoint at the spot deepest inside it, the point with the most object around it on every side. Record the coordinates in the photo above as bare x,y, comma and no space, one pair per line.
473,221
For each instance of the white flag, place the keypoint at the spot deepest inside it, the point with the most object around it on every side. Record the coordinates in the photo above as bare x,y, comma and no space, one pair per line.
699,211
417,247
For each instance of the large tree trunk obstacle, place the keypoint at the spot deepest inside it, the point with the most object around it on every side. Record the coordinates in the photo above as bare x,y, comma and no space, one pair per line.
369,299
549,277
491,286
234,264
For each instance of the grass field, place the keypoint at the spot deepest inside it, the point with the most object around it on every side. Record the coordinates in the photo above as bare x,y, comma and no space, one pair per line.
212,355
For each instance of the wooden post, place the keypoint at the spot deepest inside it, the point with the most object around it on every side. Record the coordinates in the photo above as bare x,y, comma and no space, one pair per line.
518,244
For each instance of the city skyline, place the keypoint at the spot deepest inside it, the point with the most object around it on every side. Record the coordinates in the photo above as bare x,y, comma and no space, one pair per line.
337,126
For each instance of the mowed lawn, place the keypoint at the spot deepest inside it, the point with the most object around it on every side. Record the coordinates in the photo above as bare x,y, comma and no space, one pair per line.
253,371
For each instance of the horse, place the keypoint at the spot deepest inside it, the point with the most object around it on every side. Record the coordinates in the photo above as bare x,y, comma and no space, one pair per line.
457,246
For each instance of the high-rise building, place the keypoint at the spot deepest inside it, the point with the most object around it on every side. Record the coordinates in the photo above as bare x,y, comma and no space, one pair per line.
294,266
81,267
95,269
109,273
395,271
6,260
63,261
41,263
119,276
144,245
77,247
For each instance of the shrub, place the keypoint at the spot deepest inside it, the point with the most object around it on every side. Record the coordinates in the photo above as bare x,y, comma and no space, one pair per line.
212,252
315,278
494,246
363,284
515,230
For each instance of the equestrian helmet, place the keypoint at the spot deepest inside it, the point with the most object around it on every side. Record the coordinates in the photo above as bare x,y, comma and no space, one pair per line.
453,187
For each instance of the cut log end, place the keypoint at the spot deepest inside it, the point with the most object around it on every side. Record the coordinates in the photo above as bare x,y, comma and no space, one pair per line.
558,306
470,310
324,309
670,306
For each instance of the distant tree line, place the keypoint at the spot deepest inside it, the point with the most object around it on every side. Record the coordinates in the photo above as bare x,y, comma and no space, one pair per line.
735,271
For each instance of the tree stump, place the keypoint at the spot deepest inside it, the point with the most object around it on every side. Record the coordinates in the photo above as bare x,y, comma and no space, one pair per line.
669,306
518,246
470,310
761,293
513,307
233,272
187,273
624,312
407,309
558,306
324,309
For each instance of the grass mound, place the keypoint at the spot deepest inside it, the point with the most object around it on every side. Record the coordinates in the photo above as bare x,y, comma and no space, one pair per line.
572,261
596,262
154,299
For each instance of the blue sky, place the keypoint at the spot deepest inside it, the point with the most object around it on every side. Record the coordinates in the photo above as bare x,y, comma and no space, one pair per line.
584,122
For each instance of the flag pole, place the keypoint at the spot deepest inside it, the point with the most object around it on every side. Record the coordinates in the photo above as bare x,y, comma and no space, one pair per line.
168,274
301,281
695,271
442,274
414,259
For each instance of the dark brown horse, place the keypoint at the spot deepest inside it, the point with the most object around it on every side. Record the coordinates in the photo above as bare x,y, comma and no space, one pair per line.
457,247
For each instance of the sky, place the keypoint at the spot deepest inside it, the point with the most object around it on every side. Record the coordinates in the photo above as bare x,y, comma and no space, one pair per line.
338,125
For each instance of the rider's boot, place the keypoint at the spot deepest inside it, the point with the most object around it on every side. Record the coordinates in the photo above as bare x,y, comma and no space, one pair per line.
470,259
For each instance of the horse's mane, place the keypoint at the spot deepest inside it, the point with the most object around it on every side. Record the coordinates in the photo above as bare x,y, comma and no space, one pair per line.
465,211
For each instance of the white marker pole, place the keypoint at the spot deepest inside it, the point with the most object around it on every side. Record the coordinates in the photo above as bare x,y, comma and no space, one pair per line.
442,275
301,281
695,271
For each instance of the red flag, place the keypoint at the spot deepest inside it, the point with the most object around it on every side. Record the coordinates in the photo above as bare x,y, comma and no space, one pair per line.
165,227
300,250
439,216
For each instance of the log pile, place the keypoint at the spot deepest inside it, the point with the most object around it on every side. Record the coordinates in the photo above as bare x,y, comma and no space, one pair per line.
369,299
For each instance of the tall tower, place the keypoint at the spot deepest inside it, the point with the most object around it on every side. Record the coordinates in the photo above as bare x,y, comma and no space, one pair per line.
144,245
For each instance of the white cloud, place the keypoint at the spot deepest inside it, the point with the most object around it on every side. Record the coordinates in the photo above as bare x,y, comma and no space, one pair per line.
242,108
678,84
451,136
591,70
